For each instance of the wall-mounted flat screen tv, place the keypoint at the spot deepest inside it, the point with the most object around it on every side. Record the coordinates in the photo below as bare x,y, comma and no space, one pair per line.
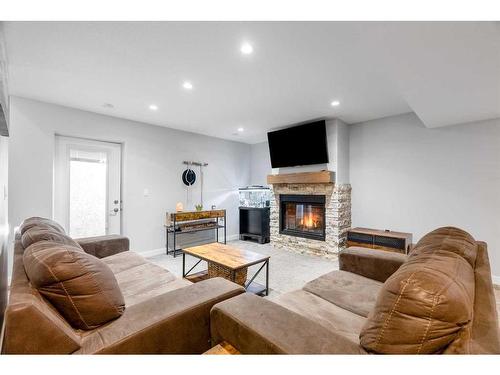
299,145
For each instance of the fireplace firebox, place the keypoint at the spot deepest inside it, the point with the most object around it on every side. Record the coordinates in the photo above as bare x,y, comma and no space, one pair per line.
303,216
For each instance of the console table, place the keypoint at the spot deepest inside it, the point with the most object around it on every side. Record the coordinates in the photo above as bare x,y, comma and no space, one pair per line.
179,223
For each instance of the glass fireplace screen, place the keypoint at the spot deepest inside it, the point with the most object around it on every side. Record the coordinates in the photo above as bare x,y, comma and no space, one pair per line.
303,216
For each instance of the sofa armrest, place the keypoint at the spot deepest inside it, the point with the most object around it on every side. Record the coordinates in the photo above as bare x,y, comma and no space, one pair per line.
177,322
255,325
374,264
104,246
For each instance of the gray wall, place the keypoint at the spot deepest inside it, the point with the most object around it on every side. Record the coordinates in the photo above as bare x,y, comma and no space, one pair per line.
343,156
407,177
260,163
152,159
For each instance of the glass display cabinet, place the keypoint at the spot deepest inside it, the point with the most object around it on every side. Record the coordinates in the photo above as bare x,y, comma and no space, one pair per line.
254,210
255,196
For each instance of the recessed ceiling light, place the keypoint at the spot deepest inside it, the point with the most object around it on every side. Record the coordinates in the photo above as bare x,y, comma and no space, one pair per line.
153,107
240,129
246,48
187,85
335,103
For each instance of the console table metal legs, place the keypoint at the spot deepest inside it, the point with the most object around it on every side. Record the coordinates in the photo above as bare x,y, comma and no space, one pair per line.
171,230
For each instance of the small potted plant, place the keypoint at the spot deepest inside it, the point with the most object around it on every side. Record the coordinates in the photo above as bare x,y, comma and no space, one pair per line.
199,207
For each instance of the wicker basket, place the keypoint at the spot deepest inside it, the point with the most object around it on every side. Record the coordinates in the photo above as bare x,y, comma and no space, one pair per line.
216,270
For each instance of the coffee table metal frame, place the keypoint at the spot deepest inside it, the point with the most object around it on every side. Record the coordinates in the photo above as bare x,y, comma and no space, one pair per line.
248,285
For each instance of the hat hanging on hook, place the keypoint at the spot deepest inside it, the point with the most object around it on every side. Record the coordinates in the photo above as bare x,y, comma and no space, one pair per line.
188,176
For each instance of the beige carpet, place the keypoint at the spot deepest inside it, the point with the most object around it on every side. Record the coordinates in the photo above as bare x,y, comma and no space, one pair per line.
287,270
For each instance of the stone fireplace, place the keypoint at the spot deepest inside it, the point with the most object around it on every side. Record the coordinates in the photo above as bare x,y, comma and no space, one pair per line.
310,216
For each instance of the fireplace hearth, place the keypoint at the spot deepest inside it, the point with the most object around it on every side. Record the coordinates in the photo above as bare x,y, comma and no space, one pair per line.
303,216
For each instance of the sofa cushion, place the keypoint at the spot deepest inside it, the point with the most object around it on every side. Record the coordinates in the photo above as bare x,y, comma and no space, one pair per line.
40,222
330,316
256,325
80,286
139,279
124,261
424,306
374,264
347,290
104,246
450,239
46,233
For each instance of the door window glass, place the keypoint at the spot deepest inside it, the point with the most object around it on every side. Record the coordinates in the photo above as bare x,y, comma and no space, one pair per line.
87,193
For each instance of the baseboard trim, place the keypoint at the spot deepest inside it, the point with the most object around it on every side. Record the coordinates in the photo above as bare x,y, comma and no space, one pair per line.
155,252
152,253
496,280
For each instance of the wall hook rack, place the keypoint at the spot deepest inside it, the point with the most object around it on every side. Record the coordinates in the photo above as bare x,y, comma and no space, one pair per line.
197,163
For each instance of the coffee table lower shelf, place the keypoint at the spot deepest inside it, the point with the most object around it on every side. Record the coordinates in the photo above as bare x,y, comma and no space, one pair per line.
229,262
254,287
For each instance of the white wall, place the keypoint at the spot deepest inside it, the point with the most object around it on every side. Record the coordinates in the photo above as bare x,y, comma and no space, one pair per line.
152,159
4,228
410,178
260,163
343,156
338,150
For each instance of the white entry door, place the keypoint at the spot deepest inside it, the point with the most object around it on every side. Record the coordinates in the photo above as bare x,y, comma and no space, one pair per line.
87,199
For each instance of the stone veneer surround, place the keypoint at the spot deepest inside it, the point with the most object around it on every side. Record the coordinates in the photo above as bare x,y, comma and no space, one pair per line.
337,218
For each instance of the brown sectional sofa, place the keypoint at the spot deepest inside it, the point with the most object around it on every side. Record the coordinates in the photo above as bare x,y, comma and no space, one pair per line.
439,299
162,313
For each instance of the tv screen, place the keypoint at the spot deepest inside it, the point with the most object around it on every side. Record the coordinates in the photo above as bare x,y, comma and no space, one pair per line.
299,145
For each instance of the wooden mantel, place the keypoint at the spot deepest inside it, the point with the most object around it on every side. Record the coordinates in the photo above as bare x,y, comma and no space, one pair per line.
321,177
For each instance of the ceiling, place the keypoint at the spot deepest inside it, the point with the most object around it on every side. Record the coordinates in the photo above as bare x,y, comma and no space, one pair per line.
446,72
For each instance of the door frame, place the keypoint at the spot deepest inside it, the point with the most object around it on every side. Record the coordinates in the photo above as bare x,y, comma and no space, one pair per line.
61,183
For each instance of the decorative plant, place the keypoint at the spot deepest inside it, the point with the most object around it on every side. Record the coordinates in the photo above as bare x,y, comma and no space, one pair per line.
198,207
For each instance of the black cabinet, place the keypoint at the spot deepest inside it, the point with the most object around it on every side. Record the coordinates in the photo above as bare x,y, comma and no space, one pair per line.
254,224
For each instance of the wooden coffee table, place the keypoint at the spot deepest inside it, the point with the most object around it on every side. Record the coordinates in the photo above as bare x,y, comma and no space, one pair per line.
223,348
231,258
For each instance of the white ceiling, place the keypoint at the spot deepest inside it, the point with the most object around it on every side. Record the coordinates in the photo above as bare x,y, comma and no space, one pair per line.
447,72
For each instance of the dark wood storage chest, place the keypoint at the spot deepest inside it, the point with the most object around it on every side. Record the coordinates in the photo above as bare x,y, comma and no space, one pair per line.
380,239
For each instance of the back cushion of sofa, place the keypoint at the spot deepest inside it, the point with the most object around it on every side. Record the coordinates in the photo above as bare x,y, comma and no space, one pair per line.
45,233
449,239
423,306
80,286
41,222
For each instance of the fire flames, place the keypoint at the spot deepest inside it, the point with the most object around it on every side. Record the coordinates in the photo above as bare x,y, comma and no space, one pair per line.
309,220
